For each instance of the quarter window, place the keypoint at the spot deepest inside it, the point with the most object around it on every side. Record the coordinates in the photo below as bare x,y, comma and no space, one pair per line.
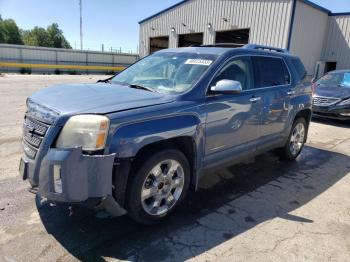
271,71
238,69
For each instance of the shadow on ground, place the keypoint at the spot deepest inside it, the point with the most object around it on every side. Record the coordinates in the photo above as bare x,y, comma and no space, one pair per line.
331,122
228,203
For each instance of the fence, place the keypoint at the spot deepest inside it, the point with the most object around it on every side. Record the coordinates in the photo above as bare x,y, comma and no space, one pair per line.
18,58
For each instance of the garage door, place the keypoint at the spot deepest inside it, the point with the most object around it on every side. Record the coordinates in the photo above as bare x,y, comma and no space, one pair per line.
190,39
238,37
158,43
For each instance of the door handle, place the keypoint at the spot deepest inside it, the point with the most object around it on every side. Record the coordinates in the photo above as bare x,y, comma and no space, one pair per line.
291,92
255,99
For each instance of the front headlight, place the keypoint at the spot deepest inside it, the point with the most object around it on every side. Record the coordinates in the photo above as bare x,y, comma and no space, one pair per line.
88,131
345,102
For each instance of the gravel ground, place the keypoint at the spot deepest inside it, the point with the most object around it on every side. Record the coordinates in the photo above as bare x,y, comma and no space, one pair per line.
265,211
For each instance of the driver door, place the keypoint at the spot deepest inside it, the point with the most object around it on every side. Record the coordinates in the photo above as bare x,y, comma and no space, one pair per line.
233,120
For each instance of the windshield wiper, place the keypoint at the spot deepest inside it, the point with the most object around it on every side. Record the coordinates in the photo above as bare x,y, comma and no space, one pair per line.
108,80
137,86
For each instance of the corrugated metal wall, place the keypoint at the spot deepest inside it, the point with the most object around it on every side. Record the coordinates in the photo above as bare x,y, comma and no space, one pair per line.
337,44
308,35
43,55
268,20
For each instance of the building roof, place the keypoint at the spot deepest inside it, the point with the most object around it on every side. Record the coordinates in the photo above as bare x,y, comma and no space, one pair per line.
163,11
339,14
310,3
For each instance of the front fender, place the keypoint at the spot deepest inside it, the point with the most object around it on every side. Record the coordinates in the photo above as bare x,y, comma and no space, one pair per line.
129,138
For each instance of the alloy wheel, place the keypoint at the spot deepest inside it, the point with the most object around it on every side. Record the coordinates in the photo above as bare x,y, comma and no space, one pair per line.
297,139
162,187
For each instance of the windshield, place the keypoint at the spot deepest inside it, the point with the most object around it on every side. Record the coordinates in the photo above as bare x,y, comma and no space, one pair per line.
166,72
335,79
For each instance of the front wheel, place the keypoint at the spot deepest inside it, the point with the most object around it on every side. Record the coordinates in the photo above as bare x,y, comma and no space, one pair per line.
296,140
157,186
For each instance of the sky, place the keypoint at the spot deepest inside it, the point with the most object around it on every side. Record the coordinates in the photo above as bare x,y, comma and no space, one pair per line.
113,23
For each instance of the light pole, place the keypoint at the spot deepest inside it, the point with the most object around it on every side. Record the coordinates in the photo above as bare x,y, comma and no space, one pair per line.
81,24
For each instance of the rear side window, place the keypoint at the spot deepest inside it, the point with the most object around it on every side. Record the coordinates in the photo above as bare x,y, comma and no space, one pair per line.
271,71
299,67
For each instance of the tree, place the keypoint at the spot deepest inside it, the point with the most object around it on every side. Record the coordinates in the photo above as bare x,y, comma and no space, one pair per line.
38,36
56,37
2,33
9,32
51,37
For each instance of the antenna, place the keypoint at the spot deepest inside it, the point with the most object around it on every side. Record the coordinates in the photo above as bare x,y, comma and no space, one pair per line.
81,24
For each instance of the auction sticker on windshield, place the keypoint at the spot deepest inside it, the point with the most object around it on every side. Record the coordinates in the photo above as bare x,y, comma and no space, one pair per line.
204,62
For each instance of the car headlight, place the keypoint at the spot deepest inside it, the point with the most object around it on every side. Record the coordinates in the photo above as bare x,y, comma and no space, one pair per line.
345,102
86,131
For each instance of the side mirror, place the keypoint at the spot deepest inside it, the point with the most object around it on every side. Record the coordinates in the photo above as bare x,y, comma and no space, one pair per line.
226,87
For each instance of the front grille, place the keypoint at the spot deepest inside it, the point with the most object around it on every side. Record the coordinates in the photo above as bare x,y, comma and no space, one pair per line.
325,101
34,132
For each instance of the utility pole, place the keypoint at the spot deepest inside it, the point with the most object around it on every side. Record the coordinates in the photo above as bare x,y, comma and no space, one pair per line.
81,24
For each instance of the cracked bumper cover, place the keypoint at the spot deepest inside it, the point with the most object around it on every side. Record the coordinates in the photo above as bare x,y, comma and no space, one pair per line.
82,176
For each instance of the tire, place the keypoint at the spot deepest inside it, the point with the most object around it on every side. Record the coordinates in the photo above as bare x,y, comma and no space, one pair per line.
154,192
295,141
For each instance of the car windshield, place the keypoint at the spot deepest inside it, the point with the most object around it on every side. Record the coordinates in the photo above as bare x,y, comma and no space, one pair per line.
335,79
166,72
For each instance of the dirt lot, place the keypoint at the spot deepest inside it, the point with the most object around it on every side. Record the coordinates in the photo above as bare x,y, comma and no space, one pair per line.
266,211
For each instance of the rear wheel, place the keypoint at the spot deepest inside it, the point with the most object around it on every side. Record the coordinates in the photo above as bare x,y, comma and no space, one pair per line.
158,185
296,140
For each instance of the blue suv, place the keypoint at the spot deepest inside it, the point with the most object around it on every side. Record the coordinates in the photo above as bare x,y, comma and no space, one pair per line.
137,142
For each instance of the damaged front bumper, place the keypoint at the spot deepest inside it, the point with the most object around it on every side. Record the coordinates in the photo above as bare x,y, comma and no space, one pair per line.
67,175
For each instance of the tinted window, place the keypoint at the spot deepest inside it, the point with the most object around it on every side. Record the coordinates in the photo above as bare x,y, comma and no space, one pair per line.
299,67
271,72
238,69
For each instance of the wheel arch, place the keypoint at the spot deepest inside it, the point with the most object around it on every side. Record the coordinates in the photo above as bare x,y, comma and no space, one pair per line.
126,168
133,141
185,144
305,113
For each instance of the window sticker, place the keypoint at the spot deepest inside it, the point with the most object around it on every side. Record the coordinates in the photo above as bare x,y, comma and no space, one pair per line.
199,62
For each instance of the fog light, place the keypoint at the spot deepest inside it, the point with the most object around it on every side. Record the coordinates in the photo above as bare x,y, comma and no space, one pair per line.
57,181
345,114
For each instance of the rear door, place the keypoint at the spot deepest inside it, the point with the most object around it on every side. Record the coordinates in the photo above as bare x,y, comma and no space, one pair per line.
273,83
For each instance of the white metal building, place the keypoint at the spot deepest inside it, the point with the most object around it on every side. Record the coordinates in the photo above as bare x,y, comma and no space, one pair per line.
321,38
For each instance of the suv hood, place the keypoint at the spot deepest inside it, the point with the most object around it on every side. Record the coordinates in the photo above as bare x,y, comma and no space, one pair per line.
99,98
332,91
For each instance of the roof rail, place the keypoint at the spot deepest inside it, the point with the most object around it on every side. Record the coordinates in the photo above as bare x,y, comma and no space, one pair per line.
263,47
232,45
